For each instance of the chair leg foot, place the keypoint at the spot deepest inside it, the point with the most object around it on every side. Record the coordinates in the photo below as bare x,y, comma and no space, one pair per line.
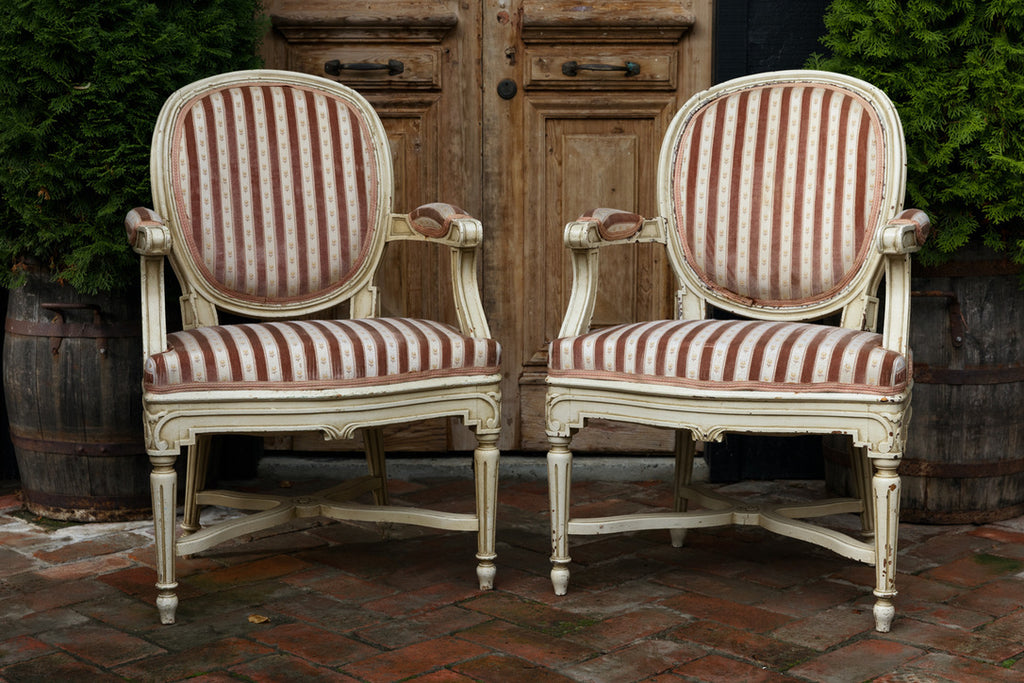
485,572
560,578
167,605
884,613
678,537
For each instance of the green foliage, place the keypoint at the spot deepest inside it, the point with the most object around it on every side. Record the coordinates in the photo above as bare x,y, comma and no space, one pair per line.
81,84
955,70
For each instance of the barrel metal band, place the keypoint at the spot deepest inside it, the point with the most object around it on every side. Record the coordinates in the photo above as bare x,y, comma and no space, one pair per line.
122,448
917,467
983,374
986,267
960,470
46,328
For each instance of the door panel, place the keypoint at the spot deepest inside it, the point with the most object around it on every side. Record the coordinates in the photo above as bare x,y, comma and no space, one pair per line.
586,91
598,84
582,158
411,272
579,160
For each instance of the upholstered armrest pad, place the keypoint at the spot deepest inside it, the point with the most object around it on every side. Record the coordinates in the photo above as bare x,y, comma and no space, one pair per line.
905,233
919,219
435,220
137,218
138,226
614,224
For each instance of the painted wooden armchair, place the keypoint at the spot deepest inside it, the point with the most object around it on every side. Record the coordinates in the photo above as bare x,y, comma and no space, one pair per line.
273,201
781,205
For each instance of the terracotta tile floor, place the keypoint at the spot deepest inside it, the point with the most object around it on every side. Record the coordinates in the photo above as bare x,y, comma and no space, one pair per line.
733,605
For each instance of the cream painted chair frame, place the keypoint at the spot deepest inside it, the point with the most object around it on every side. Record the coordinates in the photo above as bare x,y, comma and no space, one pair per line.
877,424
189,418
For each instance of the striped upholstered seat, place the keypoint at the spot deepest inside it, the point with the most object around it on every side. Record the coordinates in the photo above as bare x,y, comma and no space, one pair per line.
316,354
780,203
734,354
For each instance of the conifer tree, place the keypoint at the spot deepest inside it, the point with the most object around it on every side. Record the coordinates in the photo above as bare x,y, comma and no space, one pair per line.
955,70
81,85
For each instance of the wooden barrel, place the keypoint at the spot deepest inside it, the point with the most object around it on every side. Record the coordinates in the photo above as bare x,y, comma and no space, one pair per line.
964,461
72,381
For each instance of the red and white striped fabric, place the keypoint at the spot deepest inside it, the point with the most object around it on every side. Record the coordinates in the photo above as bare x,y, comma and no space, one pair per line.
779,191
733,354
314,354
275,188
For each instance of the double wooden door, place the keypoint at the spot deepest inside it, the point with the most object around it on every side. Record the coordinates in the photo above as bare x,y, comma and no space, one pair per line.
524,113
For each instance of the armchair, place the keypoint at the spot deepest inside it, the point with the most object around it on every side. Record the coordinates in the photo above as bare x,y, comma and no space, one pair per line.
273,201
781,205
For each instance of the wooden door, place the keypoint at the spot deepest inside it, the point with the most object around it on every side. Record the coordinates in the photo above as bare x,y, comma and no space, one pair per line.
486,110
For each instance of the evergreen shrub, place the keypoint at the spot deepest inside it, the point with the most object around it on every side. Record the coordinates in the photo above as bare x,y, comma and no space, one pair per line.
955,70
81,84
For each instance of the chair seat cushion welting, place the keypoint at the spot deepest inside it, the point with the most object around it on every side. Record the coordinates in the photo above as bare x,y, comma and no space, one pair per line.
317,354
734,354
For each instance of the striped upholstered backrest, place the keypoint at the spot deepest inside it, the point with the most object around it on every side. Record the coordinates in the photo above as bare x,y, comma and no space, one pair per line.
778,190
274,187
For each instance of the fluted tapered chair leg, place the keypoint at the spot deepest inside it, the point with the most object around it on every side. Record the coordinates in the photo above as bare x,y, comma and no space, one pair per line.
559,485
163,483
886,490
685,448
196,467
485,468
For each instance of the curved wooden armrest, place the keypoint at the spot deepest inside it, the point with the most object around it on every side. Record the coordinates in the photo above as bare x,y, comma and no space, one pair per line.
900,237
147,232
584,236
906,233
450,226
603,227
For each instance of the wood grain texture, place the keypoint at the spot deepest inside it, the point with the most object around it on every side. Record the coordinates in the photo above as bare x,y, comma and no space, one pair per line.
524,166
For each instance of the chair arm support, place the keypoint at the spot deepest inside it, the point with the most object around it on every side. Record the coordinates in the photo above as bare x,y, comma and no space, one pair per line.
899,238
147,232
584,236
906,233
450,226
151,239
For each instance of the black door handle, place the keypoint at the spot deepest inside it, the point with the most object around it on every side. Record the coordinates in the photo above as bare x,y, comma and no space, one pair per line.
573,68
335,67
